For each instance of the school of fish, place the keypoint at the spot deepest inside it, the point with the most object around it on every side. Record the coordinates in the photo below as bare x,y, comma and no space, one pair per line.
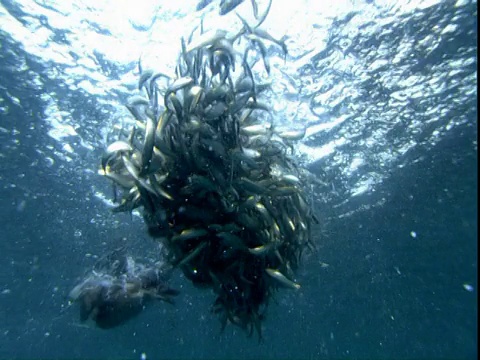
213,176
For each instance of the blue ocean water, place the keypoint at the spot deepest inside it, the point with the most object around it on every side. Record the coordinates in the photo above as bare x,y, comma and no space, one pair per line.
389,99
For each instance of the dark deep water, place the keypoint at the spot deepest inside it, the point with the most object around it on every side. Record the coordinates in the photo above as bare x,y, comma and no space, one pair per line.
385,293
360,306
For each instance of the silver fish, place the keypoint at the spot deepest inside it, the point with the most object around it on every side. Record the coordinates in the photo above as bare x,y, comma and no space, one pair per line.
228,5
148,144
277,275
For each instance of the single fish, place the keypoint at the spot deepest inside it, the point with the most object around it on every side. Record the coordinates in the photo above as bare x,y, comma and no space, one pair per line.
203,4
277,275
228,5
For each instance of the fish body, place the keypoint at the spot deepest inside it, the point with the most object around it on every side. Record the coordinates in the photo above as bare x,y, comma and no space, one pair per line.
203,4
228,5
282,279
